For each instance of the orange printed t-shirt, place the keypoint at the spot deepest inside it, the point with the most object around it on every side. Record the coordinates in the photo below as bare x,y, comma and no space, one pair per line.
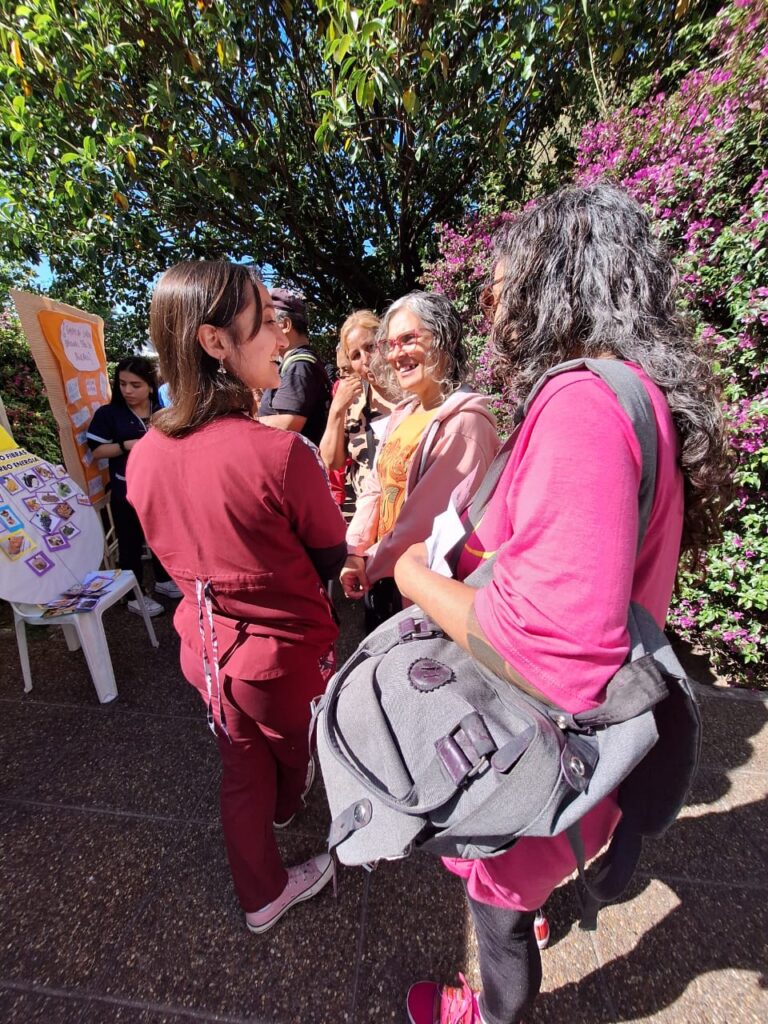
393,464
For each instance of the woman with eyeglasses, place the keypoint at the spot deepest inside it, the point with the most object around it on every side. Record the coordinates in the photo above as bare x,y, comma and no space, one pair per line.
360,406
580,275
440,435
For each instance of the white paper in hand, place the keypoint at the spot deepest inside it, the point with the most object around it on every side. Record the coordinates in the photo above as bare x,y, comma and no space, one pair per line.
447,531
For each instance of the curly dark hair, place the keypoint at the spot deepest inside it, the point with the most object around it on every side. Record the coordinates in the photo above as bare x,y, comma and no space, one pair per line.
583,275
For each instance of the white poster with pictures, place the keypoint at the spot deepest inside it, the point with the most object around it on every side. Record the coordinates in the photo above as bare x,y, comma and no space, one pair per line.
50,536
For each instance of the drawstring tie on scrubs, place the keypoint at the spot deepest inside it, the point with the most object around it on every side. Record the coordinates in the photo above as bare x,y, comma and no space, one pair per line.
203,590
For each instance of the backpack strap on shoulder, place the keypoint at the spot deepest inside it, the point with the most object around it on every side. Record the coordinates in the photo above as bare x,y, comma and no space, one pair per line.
619,862
297,357
632,397
433,426
652,794
636,403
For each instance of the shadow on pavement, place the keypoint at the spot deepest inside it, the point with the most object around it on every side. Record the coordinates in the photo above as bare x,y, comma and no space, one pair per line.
713,864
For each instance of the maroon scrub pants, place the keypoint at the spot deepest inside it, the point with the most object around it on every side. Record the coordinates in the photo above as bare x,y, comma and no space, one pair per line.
264,768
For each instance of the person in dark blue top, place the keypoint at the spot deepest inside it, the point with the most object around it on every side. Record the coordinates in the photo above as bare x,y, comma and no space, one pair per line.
113,431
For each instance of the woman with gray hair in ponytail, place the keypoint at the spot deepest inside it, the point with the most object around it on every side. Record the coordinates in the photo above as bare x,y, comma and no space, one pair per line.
441,434
579,276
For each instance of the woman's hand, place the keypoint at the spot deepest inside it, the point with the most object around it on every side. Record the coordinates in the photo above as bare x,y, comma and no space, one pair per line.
348,391
353,579
408,564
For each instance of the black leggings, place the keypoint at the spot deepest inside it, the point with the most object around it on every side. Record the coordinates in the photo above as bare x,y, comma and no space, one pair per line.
130,541
510,962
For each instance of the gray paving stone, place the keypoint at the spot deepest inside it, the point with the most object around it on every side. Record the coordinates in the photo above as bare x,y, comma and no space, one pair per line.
117,906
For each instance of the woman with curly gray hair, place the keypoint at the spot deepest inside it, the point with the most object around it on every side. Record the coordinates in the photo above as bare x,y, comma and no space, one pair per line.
579,275
439,435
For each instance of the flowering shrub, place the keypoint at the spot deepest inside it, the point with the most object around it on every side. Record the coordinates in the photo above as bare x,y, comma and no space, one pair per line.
30,417
461,272
696,158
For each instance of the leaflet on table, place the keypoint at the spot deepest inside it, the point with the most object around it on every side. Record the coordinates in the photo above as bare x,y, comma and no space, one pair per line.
72,606
93,583
81,597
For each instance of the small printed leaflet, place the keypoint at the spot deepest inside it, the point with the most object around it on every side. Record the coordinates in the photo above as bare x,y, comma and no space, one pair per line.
81,597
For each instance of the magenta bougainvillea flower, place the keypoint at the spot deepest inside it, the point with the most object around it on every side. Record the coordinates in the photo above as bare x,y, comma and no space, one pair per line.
695,157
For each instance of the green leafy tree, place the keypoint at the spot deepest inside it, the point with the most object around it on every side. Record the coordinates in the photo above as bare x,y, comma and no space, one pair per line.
695,155
21,388
323,139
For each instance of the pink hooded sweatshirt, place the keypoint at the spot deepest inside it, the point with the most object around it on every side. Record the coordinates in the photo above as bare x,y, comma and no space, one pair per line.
460,442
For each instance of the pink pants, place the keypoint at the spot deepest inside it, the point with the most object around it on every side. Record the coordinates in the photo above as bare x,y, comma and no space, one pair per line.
264,768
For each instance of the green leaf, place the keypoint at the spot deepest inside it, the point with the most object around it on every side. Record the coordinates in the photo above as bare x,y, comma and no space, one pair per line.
360,90
341,47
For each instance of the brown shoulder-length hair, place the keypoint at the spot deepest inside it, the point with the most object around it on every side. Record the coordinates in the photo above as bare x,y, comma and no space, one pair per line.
187,296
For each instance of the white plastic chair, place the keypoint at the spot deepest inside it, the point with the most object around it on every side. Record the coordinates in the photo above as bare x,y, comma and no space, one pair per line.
110,537
83,629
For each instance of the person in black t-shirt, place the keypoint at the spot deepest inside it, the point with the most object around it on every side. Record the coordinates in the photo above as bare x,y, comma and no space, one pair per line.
113,431
301,401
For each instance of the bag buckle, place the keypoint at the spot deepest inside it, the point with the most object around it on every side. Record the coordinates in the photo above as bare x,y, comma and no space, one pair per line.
352,818
469,739
413,629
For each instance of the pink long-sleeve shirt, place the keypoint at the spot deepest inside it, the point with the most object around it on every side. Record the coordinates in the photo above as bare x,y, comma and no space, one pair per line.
564,521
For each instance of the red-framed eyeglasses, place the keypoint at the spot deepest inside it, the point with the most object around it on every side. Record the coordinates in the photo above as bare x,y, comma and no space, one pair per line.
407,341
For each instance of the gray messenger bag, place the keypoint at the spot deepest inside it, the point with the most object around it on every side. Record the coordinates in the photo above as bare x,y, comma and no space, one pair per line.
423,747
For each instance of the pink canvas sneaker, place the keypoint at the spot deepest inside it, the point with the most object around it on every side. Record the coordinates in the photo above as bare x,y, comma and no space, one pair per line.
304,881
430,1003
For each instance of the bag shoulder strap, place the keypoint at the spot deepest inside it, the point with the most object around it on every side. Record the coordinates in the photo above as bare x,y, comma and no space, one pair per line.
634,399
632,396
297,357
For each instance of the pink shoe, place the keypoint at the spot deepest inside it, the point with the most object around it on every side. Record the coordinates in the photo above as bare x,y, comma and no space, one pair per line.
430,1003
304,881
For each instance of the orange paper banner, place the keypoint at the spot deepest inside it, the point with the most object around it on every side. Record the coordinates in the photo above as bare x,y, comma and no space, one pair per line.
68,348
